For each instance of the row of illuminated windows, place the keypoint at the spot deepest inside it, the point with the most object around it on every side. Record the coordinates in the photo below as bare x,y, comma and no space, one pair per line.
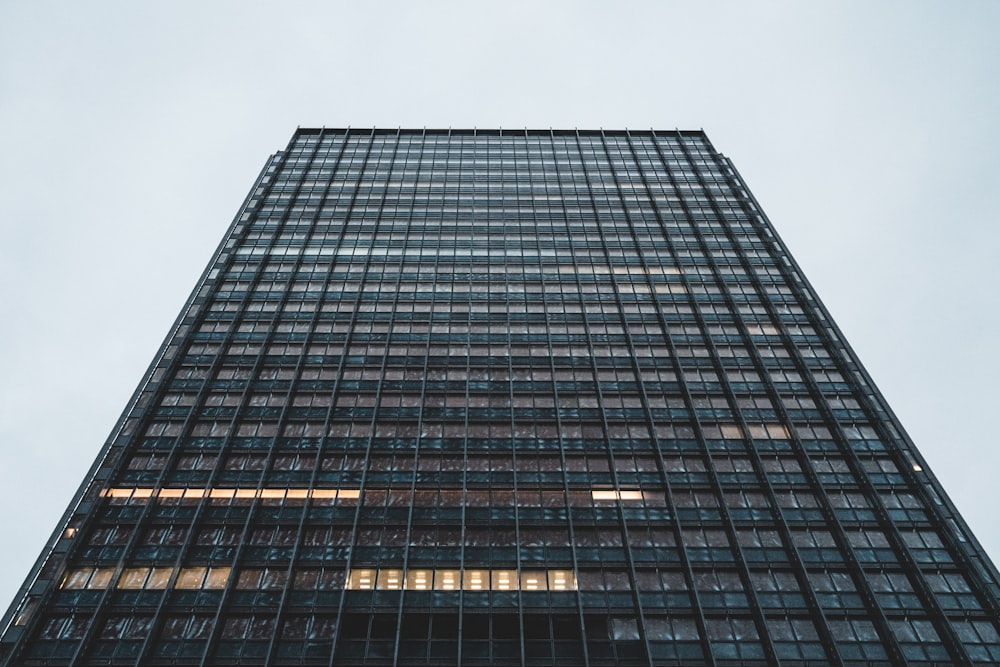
401,497
215,578
136,578
469,580
535,497
847,502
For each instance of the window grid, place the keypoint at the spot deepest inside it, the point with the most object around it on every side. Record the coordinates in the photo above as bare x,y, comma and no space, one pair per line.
421,356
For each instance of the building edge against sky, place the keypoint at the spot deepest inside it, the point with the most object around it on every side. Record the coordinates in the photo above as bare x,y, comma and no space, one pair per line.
698,262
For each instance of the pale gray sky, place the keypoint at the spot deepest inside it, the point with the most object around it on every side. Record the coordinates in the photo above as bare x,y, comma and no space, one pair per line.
130,133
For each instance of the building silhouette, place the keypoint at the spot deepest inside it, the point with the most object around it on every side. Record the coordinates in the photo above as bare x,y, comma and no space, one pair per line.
506,398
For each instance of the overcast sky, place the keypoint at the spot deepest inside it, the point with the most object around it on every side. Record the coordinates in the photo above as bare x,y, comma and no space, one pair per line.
130,133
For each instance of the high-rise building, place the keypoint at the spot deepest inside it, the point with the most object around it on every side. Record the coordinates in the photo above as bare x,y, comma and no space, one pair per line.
506,398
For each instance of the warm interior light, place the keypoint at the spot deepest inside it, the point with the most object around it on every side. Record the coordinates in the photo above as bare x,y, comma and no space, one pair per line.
272,493
602,494
470,580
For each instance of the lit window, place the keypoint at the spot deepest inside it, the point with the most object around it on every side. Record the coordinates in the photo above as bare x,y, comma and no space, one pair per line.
160,576
191,577
469,580
390,580
476,580
533,581
616,495
419,580
86,577
229,494
447,580
362,580
561,580
504,580
216,578
133,578
102,578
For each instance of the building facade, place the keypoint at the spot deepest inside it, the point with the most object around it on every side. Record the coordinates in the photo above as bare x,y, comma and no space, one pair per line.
506,398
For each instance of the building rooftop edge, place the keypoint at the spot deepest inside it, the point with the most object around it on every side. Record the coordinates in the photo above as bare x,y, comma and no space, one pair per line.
491,131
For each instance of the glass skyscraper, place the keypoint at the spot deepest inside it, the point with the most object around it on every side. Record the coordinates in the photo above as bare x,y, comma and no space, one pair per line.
507,398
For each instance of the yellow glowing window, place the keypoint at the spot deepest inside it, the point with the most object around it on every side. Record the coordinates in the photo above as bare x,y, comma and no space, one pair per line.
272,493
139,493
447,580
616,495
349,493
419,580
562,580
101,578
362,580
476,580
297,493
217,578
245,493
159,577
469,580
133,578
390,580
221,493
504,580
534,581
77,578
171,493
324,493
191,577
